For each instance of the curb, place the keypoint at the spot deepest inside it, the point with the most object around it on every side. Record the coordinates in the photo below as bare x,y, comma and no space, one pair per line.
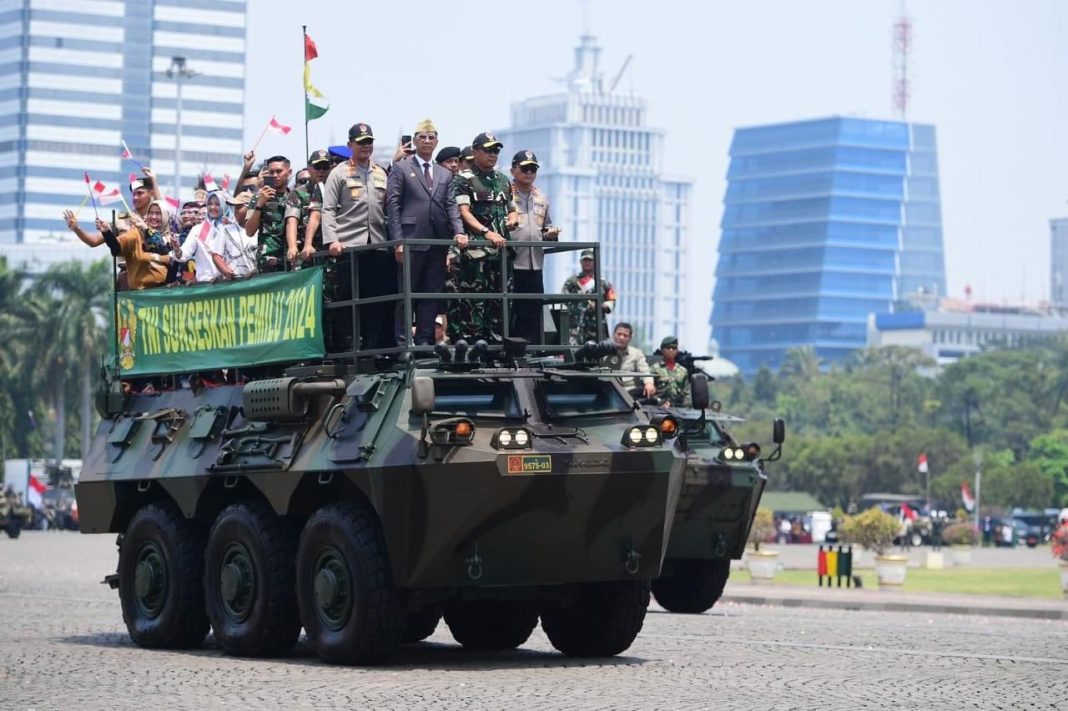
962,608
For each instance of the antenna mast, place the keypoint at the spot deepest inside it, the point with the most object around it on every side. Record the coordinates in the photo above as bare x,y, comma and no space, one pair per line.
902,46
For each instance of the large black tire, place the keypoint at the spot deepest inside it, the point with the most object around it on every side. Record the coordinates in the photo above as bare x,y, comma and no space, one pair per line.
14,527
250,587
422,624
693,585
491,624
350,610
161,569
602,621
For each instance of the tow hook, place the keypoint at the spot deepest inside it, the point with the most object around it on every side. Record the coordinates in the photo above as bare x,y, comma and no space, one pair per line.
112,581
632,560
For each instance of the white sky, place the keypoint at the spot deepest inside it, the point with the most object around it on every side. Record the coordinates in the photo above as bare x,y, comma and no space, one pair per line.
989,74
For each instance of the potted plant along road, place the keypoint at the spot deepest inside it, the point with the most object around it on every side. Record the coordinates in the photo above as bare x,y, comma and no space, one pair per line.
961,538
761,562
1059,546
875,530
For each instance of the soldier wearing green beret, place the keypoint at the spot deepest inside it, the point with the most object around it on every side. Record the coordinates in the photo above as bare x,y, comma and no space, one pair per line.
672,380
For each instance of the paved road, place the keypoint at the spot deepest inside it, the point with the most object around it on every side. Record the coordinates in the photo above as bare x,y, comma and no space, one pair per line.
63,645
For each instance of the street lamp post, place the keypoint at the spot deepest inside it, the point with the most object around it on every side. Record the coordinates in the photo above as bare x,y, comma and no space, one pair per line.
178,71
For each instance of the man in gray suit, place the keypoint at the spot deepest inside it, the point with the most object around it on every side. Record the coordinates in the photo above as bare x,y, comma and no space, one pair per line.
421,204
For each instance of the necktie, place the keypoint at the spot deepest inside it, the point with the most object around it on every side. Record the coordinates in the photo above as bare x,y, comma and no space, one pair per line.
427,177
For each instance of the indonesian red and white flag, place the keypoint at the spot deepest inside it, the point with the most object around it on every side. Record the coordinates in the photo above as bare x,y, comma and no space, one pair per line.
209,183
126,151
226,181
205,230
173,202
966,497
921,463
34,489
275,127
105,196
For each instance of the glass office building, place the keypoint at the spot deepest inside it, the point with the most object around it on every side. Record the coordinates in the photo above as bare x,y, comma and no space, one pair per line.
77,77
1058,263
601,170
824,222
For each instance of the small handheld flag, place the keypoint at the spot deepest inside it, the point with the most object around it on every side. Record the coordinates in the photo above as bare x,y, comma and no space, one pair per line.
128,155
209,183
205,230
966,497
274,127
89,187
921,464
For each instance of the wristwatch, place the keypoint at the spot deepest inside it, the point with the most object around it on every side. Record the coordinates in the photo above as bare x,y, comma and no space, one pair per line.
484,230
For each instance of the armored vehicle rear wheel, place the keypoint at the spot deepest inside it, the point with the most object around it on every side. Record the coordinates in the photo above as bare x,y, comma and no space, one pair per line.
422,624
693,586
250,581
603,620
161,568
14,528
491,624
349,608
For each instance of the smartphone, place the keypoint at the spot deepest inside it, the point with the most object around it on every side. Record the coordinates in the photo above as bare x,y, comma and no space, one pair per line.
406,142
268,181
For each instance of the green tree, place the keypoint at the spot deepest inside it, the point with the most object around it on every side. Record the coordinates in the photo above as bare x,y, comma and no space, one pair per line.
1049,454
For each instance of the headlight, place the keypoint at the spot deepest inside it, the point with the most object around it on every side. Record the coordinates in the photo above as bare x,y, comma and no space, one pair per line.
727,454
642,436
739,454
512,438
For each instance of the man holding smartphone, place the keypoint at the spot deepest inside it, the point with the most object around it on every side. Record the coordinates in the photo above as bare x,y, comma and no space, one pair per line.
534,225
267,216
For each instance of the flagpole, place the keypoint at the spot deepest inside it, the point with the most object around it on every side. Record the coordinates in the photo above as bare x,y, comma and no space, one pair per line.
262,134
304,50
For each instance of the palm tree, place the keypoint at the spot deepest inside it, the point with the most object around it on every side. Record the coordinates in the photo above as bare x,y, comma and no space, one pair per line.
84,296
801,363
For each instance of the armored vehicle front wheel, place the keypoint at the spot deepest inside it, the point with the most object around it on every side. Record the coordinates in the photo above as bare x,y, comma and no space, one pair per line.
161,568
491,624
693,585
349,608
13,528
250,581
602,621
422,624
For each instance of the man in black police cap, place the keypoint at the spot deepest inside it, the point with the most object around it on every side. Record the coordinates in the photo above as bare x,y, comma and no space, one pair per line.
534,225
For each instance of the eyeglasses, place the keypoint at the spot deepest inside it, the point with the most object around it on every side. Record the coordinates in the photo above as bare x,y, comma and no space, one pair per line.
426,137
528,169
319,166
495,150
303,181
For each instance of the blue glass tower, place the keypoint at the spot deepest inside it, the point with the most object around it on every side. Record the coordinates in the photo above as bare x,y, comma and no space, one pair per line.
824,222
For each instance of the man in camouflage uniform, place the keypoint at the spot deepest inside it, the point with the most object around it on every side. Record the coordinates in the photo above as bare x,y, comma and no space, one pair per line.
484,197
267,216
304,206
672,380
586,323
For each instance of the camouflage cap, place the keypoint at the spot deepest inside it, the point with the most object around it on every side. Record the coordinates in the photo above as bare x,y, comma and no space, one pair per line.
669,341
525,158
586,254
319,156
486,140
448,152
361,133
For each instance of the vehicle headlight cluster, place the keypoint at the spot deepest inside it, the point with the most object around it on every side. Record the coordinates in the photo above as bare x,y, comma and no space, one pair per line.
745,453
512,438
458,430
642,436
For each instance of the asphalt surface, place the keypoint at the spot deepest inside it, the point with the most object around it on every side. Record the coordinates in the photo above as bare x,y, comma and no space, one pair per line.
63,646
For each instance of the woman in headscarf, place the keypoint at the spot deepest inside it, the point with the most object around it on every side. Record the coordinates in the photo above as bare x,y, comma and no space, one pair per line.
144,247
235,250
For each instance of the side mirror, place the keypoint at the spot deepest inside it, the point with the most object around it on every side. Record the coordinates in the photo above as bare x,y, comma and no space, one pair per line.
699,391
422,395
778,431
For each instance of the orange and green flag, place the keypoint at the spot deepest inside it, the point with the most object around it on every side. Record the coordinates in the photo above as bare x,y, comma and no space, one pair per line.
315,104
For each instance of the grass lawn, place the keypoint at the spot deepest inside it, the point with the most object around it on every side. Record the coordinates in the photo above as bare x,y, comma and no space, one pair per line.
1013,582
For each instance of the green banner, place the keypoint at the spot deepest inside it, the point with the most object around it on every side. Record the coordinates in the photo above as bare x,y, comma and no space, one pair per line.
270,318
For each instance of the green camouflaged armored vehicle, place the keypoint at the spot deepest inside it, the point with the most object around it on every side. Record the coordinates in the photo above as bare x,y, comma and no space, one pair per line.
14,515
721,490
363,499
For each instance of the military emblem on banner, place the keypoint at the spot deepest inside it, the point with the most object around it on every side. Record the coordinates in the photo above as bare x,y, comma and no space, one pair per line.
127,336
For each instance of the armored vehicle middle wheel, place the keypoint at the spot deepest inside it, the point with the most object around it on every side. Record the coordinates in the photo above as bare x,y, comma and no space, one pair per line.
351,612
161,568
491,624
693,586
249,581
602,621
14,528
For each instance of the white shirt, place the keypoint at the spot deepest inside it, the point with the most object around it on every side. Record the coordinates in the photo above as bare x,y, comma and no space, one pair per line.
201,251
422,174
